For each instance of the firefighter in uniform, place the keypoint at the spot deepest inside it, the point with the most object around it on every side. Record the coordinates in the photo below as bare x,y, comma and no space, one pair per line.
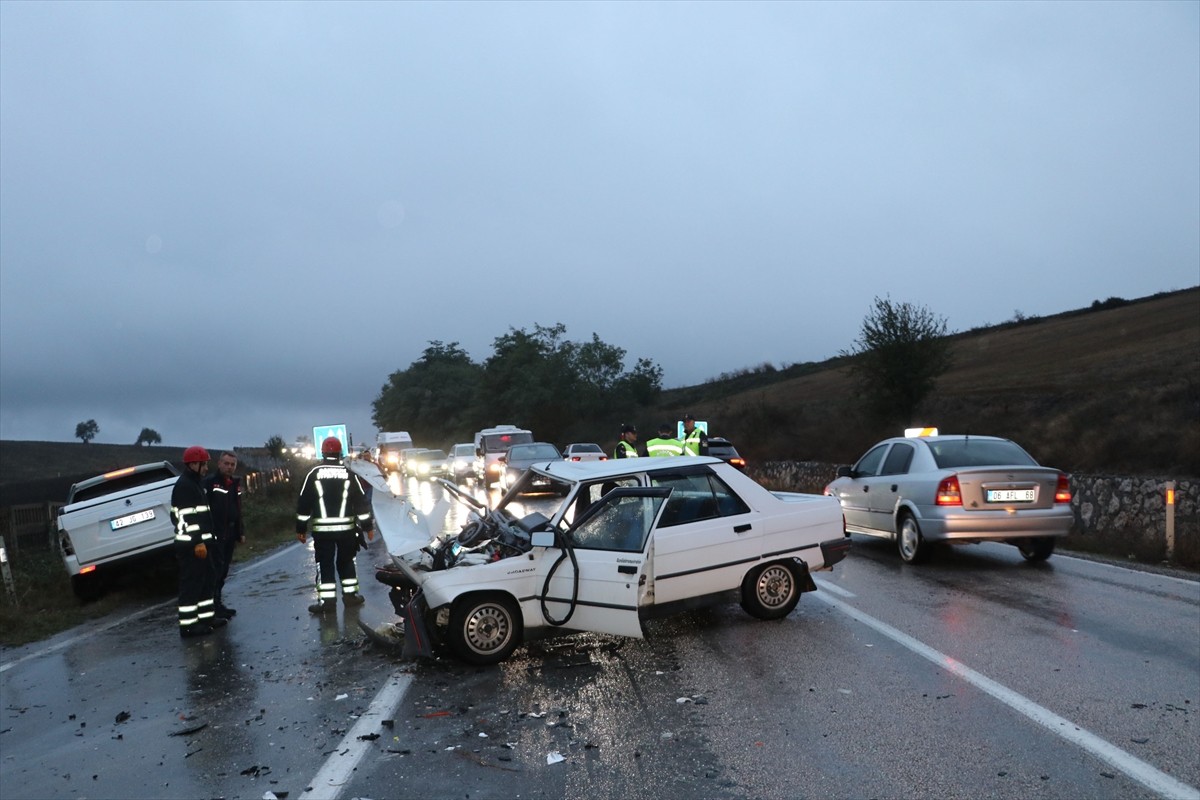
664,444
193,537
333,501
695,441
224,492
627,447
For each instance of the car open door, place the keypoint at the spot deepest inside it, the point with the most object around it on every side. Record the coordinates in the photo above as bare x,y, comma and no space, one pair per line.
591,578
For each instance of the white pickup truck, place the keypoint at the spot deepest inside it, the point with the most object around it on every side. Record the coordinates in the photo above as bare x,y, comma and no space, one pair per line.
115,518
634,539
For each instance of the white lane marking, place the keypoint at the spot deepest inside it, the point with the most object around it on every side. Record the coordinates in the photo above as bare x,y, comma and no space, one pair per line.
332,778
1146,774
1123,568
833,587
252,566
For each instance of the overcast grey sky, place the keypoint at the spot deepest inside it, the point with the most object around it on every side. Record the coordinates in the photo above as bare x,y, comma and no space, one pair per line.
226,221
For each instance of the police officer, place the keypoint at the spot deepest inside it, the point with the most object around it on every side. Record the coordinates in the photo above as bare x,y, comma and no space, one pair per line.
332,499
627,447
224,492
664,444
193,537
695,441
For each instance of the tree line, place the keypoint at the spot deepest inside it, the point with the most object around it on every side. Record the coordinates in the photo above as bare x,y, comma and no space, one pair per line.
535,378
87,430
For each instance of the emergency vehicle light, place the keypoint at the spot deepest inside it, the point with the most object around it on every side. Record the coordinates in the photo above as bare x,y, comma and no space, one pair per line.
118,473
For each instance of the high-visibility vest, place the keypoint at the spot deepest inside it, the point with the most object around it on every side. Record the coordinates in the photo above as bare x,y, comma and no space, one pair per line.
625,450
662,448
691,442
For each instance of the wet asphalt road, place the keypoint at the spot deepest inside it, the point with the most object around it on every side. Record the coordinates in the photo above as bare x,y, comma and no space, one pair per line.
975,675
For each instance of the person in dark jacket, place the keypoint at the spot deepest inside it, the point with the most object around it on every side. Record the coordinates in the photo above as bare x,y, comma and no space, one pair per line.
193,537
333,502
224,492
627,447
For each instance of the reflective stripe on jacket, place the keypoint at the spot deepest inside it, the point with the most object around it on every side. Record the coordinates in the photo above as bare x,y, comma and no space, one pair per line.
332,499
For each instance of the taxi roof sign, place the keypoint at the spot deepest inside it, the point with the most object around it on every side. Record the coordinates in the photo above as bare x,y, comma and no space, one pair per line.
914,433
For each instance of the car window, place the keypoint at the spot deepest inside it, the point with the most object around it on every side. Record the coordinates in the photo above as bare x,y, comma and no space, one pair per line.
586,448
622,523
898,460
978,453
533,451
590,493
697,496
120,483
869,464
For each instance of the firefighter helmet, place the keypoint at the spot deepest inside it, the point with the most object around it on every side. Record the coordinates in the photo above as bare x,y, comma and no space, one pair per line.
195,455
332,446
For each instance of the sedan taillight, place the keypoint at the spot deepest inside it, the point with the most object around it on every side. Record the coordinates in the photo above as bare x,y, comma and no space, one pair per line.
948,492
1062,492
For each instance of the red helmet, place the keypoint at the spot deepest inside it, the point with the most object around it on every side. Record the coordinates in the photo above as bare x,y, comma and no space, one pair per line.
195,455
332,446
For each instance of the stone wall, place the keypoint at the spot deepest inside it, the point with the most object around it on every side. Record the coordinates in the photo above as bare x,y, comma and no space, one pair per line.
1119,516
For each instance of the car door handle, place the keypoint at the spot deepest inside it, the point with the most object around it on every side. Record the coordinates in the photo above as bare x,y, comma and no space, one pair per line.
866,488
741,528
627,570
893,487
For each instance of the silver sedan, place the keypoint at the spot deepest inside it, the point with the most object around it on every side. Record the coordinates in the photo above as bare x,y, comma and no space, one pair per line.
922,490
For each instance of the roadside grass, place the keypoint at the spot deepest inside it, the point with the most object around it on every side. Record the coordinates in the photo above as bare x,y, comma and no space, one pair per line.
44,604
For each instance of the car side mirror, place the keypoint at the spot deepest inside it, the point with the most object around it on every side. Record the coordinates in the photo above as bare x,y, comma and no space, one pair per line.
503,459
845,472
542,539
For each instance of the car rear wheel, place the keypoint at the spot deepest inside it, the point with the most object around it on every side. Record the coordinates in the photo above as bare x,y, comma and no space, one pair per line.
484,629
1038,549
770,591
910,543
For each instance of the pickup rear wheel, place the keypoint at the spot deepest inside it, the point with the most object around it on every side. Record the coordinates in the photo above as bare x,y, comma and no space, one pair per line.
909,542
87,587
484,629
770,591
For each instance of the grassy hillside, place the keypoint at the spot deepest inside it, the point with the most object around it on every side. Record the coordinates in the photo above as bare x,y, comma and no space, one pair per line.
1110,390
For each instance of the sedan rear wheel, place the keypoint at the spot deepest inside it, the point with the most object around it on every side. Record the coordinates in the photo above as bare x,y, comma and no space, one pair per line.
912,546
1038,549
770,591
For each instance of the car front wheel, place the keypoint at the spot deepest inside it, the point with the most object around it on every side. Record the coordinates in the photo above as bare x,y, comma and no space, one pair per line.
909,542
1036,549
770,591
484,629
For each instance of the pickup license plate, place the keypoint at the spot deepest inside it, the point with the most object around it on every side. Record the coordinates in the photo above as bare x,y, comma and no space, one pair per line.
132,519
1010,495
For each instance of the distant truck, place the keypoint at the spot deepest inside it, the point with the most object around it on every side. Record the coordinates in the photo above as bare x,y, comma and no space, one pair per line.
114,519
388,445
490,444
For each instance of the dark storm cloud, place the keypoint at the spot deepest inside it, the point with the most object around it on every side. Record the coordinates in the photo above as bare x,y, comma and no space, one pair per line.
228,221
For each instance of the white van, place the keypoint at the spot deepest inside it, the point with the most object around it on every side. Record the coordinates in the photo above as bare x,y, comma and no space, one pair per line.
388,446
490,444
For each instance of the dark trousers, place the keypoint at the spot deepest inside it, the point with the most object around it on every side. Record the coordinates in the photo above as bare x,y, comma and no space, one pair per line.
223,548
196,581
335,559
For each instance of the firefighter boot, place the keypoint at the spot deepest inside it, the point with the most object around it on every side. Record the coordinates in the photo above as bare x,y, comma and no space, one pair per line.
353,599
323,607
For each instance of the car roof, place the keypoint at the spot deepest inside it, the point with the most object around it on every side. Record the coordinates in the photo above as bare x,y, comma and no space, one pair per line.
576,471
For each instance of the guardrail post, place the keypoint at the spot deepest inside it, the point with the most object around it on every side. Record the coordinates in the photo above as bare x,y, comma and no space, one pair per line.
1170,520
8,578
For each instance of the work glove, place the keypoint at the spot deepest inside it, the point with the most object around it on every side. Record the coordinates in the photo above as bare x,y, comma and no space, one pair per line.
371,535
201,551
303,537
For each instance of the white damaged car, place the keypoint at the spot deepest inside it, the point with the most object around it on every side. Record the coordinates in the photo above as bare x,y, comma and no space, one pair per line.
630,540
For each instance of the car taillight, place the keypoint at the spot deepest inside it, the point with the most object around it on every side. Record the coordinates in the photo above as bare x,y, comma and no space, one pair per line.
948,492
604,458
738,462
1062,492
574,458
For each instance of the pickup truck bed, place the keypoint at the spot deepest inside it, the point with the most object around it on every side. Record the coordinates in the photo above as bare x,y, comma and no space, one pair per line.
112,519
